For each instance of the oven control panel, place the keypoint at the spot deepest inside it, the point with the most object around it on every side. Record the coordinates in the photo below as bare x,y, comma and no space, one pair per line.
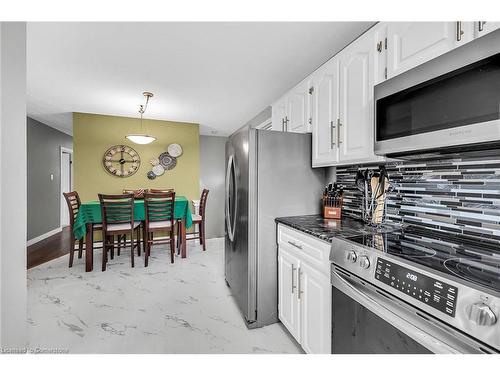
425,289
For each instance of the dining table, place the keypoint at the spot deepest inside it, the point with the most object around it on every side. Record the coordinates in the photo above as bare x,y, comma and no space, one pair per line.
89,214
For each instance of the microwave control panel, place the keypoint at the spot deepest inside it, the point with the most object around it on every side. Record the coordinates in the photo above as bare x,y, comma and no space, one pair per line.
425,289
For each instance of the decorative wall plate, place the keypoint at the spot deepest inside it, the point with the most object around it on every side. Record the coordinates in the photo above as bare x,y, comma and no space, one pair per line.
158,170
174,150
167,161
151,175
154,161
121,161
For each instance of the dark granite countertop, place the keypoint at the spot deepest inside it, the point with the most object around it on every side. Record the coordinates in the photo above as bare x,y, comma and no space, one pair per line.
326,229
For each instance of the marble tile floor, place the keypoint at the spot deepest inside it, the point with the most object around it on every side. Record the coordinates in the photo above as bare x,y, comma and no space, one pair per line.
185,307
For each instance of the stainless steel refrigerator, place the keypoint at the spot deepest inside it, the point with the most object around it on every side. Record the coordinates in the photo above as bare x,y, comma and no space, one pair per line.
268,175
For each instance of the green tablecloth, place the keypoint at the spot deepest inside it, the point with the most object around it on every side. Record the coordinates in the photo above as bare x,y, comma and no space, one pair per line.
90,212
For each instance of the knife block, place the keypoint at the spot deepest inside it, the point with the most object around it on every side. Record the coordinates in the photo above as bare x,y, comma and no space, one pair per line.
332,211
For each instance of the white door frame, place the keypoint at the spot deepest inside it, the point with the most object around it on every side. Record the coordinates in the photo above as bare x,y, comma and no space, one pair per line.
63,205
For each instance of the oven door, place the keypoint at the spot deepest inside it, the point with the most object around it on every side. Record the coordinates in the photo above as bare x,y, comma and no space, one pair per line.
365,320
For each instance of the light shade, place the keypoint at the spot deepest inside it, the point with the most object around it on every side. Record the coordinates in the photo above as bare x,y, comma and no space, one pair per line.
140,139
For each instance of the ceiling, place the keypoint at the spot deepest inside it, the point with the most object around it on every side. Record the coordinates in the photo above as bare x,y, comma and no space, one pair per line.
219,75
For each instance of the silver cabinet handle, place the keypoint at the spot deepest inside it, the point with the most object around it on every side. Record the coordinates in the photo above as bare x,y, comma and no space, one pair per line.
286,123
300,291
295,245
339,124
460,32
332,128
293,285
480,25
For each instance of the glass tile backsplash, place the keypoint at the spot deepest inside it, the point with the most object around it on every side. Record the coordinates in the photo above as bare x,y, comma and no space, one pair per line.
458,193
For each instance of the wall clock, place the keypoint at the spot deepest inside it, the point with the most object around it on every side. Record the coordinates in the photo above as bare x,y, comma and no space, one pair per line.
121,161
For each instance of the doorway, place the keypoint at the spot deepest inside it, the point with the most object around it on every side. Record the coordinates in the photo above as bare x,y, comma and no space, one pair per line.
66,182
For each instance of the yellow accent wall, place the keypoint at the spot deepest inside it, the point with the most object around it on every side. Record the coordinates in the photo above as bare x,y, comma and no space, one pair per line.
94,134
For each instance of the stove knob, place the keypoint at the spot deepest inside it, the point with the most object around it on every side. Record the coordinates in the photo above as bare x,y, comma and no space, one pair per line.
481,314
364,262
352,257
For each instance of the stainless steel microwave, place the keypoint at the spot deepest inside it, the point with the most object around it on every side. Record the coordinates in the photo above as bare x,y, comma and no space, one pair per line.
452,100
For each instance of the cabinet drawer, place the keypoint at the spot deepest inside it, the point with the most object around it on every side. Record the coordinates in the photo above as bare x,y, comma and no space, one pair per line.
314,251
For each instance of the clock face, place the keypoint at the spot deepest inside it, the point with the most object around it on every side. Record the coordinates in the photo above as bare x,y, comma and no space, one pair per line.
121,161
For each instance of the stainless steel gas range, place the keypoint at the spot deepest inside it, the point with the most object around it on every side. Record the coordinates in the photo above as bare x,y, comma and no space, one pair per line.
415,291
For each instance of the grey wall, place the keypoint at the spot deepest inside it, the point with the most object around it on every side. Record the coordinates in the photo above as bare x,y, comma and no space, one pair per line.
212,177
44,194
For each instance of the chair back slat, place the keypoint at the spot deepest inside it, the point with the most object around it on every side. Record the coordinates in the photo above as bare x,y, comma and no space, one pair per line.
117,209
73,202
203,202
159,207
165,190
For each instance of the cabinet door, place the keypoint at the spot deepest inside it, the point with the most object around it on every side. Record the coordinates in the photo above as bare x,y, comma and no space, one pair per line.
324,115
485,27
315,292
288,306
278,115
413,43
297,108
356,127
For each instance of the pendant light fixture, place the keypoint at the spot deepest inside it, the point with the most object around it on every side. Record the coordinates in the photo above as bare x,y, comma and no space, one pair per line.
142,138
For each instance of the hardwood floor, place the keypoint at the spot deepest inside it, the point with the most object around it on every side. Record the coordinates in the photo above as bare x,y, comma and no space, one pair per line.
48,249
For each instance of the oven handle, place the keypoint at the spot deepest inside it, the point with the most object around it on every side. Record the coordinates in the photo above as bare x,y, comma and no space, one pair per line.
372,303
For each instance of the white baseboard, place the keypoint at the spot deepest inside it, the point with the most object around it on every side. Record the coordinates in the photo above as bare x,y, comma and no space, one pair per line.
43,236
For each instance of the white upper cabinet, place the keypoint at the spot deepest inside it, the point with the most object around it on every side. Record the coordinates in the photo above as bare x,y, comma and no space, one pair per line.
336,101
325,113
292,112
278,115
357,69
410,44
298,108
484,27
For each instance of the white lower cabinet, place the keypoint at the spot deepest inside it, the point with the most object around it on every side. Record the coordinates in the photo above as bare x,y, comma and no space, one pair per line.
287,293
304,290
315,309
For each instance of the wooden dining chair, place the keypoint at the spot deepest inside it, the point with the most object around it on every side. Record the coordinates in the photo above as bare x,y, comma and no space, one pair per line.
159,210
73,201
199,219
117,213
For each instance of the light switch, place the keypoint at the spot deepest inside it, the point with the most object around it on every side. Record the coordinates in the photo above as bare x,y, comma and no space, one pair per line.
51,177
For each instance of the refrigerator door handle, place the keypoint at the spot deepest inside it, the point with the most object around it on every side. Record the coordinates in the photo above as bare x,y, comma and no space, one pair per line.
230,175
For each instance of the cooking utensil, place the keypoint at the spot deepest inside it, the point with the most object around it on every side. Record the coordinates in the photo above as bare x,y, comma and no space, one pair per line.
383,186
